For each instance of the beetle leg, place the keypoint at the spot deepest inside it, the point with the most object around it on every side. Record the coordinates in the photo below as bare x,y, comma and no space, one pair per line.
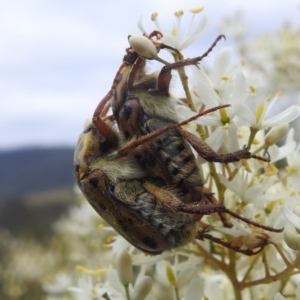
101,107
249,252
137,67
169,199
164,76
155,33
210,155
197,209
147,138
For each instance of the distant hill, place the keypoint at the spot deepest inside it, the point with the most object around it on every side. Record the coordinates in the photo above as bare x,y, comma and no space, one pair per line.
36,188
31,170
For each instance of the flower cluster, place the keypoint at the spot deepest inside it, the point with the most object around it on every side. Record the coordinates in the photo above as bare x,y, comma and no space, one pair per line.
262,190
273,55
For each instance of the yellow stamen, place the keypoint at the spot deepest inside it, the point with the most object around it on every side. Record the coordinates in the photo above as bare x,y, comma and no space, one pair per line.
96,272
252,89
242,62
179,13
198,95
154,16
174,31
269,207
255,142
196,10
171,276
224,77
246,166
271,170
289,169
106,246
109,239
224,116
259,111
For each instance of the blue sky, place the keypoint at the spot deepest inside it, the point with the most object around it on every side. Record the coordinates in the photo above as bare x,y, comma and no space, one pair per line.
58,58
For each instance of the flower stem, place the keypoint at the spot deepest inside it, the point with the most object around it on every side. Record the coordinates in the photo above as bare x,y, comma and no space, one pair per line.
231,274
176,293
184,81
220,187
127,292
253,132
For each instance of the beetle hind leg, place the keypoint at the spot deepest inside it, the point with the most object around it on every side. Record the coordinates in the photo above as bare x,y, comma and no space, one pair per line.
249,252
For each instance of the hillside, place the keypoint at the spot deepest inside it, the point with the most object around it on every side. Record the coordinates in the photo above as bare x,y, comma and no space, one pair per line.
36,187
33,170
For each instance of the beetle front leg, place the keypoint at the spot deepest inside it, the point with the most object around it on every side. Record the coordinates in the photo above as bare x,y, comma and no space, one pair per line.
210,155
164,76
154,134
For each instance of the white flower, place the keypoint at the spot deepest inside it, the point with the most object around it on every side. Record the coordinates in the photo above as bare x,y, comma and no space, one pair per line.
179,274
87,290
256,192
119,243
59,284
278,296
226,85
258,117
293,162
139,290
291,217
195,289
177,38
81,220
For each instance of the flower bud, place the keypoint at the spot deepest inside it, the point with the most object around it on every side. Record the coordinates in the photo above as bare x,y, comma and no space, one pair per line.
124,267
142,288
296,211
143,46
276,134
291,237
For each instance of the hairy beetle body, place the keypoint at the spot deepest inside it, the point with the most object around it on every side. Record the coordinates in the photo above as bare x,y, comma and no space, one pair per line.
133,205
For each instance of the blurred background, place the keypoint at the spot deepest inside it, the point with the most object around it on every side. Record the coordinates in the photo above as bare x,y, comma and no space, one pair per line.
58,59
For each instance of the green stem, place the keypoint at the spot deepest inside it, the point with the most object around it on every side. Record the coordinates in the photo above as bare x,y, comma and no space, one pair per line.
250,268
220,187
161,60
211,259
253,132
184,81
176,293
127,292
287,272
231,274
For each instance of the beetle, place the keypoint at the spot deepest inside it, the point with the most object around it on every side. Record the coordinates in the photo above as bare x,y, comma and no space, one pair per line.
121,192
151,216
